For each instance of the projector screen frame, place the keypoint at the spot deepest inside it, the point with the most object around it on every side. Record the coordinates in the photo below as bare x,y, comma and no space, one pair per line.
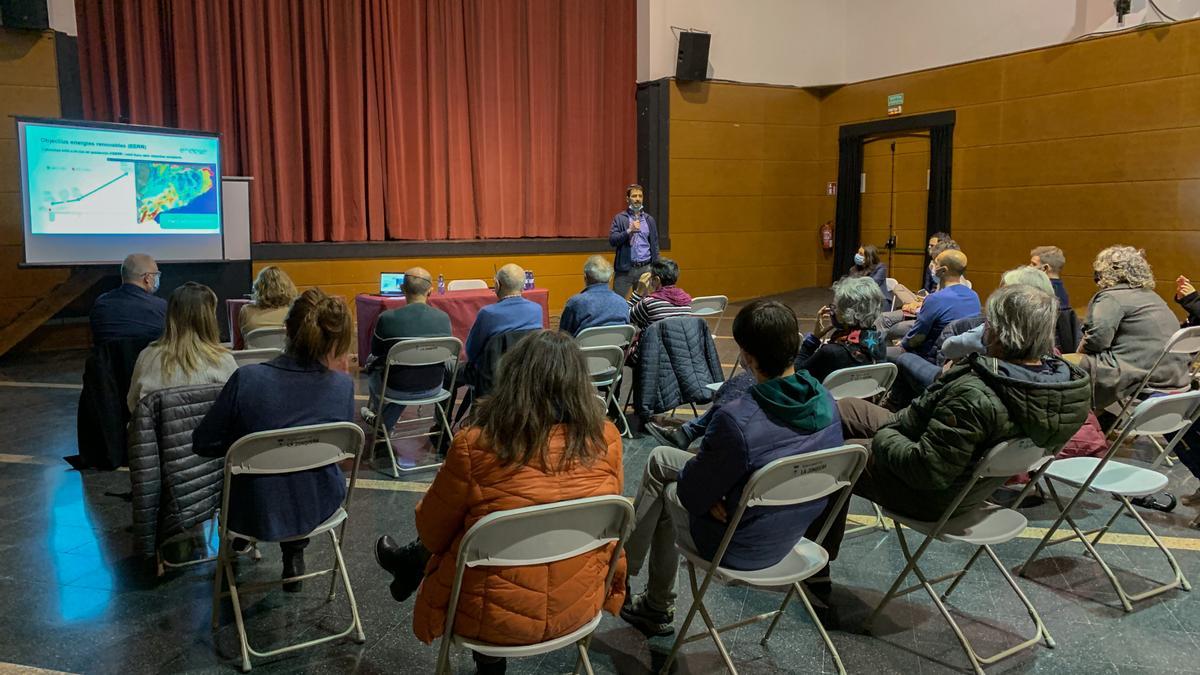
26,227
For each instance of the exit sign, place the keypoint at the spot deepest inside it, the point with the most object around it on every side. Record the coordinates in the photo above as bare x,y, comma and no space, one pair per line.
895,100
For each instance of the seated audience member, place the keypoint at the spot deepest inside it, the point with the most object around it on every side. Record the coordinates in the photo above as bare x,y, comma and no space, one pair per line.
962,345
897,323
922,456
852,341
272,294
688,497
416,319
596,304
512,313
1189,450
1188,299
867,264
131,311
657,297
291,390
540,437
189,351
1126,329
1050,259
953,300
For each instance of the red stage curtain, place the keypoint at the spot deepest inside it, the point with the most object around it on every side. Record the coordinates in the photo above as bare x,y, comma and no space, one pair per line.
387,119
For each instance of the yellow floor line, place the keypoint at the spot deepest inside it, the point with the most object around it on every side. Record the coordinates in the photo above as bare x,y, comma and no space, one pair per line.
16,669
1112,538
39,385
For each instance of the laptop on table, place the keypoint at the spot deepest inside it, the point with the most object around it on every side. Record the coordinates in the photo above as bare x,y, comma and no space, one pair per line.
391,283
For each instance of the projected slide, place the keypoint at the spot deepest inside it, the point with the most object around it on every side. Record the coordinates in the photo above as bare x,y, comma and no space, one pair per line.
96,181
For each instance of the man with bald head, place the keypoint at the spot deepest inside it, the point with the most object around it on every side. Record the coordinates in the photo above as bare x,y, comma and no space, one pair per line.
416,319
511,313
952,301
131,311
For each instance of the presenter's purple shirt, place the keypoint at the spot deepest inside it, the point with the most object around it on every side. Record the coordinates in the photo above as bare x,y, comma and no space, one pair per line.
639,241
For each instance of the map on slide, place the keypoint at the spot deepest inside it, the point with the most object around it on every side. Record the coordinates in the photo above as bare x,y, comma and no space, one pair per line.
174,188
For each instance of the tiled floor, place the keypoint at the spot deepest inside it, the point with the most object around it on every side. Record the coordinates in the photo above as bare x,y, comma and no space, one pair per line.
75,597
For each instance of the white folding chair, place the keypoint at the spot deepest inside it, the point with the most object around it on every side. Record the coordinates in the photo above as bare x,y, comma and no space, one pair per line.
1184,342
788,481
410,371
982,527
466,285
271,336
901,295
538,535
1169,415
865,382
277,452
708,306
247,357
606,336
604,366
891,284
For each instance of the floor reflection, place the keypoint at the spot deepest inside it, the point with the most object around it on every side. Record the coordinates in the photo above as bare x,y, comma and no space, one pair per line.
84,577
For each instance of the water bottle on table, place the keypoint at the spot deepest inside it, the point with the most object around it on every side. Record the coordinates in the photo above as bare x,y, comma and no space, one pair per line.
441,284
528,280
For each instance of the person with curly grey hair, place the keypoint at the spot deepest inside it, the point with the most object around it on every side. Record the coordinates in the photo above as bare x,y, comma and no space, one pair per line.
1126,328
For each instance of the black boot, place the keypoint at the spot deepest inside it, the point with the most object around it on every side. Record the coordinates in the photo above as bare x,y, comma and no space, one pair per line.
489,665
405,563
293,565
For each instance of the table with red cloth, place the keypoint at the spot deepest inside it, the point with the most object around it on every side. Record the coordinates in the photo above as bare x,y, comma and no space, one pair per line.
232,307
462,306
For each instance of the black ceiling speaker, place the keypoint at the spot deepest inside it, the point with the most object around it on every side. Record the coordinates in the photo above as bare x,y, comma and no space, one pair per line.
693,56
25,14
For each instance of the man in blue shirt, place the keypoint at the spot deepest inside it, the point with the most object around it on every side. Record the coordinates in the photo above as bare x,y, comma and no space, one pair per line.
634,235
511,313
131,311
596,305
953,301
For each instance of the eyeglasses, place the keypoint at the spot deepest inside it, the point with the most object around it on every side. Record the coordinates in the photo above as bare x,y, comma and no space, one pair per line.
154,274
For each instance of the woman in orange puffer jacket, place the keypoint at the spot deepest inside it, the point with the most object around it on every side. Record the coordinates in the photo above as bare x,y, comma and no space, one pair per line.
540,437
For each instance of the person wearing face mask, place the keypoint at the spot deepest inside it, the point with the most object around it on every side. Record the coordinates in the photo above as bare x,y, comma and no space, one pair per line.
928,283
897,323
867,264
634,235
954,300
132,310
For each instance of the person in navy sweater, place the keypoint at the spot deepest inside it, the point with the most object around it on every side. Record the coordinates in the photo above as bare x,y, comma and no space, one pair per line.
634,236
132,310
596,304
688,497
867,264
305,385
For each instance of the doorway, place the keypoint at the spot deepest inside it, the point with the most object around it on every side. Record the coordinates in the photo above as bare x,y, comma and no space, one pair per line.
895,202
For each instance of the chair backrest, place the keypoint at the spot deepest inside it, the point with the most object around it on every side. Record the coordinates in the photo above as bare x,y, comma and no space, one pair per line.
247,357
295,449
709,305
1164,415
481,373
901,294
604,363
466,285
861,381
410,363
537,535
1010,458
271,336
1184,341
606,336
890,283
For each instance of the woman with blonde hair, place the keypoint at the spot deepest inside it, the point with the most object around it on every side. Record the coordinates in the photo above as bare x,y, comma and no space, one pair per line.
189,351
271,295
263,397
1126,328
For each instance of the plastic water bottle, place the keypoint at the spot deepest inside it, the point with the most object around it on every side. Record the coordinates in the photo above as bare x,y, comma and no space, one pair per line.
441,284
528,280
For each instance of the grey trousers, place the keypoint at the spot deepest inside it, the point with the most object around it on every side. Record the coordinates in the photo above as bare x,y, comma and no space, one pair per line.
661,521
623,282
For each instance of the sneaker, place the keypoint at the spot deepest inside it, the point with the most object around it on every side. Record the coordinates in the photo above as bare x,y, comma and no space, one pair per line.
1192,499
672,436
651,622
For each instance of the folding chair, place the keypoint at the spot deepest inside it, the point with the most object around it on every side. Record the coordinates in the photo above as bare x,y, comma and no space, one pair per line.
1185,341
537,535
247,357
865,382
415,366
272,336
277,452
891,284
901,295
604,367
788,481
467,285
1166,415
620,335
711,305
982,527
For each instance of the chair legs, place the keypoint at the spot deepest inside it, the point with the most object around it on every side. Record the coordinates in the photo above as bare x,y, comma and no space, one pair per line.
1127,599
879,524
385,435
977,661
714,632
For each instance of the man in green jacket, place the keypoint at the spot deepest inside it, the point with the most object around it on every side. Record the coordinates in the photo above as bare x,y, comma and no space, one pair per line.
922,456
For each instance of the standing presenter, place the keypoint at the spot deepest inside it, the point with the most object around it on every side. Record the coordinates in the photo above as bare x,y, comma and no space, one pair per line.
635,238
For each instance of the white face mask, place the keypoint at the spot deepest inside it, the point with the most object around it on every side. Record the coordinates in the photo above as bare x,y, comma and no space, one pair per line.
860,259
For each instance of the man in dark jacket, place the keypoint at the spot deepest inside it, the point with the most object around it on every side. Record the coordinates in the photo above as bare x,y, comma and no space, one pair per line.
922,457
132,310
634,235
685,497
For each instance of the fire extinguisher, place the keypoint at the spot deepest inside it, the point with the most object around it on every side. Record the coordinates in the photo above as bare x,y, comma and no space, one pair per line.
827,235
